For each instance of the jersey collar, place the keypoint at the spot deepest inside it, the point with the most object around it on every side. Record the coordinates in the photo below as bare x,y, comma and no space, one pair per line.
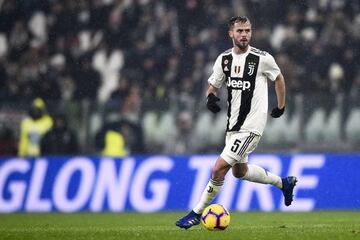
241,54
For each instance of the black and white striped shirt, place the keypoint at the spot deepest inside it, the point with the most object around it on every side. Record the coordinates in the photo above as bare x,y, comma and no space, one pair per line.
245,76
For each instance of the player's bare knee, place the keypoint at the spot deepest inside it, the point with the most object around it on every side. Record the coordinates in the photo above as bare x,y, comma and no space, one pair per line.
239,170
238,174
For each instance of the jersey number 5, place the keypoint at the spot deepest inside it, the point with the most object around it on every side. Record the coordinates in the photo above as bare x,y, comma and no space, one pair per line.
236,145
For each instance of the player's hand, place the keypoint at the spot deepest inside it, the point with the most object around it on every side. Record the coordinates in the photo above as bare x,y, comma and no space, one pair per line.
277,112
211,103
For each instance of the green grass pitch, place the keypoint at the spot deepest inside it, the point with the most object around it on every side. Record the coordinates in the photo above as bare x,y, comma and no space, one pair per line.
127,226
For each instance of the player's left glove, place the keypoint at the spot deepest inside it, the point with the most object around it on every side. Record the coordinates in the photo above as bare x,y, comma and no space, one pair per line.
277,112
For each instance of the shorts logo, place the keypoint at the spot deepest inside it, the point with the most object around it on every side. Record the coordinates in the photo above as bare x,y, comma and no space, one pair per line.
237,69
251,68
238,83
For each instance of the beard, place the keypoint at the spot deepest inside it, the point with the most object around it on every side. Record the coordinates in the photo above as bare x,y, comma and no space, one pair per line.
241,44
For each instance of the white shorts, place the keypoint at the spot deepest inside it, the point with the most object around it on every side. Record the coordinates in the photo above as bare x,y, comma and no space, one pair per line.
238,146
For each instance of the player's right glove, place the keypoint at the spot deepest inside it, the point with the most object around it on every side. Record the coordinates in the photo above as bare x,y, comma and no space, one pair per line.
211,103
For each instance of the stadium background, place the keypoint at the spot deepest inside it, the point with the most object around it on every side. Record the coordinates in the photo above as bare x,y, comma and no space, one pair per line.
148,61
143,65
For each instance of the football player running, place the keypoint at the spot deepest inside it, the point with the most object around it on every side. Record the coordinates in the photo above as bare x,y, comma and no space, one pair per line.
245,71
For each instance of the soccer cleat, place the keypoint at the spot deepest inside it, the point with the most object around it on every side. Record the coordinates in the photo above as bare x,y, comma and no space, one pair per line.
287,189
189,220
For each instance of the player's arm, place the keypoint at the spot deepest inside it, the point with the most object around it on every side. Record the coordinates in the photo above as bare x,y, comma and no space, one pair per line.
280,90
280,95
211,89
212,99
215,81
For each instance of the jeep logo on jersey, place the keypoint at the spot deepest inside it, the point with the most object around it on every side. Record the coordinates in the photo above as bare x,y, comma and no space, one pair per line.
251,68
238,83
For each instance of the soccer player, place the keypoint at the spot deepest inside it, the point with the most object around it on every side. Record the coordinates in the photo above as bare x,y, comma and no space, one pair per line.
245,71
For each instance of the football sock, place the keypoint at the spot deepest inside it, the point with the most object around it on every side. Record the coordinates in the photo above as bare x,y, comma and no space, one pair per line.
259,175
210,192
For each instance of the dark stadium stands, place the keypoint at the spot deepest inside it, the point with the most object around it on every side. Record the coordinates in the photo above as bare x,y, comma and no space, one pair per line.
146,62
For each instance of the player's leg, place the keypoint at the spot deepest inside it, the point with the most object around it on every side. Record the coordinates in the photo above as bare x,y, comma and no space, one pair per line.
254,173
214,185
211,190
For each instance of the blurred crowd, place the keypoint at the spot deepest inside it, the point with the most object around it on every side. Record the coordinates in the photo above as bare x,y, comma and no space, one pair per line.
132,55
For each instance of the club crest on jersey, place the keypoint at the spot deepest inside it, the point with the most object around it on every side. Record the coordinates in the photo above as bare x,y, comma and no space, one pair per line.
237,69
251,68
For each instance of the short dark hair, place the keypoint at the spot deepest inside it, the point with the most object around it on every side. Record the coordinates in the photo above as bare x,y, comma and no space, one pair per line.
233,20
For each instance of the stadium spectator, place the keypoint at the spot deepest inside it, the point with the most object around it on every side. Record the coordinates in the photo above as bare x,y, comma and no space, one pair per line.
109,63
59,140
181,140
87,81
33,128
7,142
110,141
133,135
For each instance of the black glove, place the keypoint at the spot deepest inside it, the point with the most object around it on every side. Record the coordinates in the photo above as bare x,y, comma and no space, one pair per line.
277,112
211,103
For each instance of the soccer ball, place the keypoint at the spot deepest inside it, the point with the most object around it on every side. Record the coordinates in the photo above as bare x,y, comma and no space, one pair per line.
215,217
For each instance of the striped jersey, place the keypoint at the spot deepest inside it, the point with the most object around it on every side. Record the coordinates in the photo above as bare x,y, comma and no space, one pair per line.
245,76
